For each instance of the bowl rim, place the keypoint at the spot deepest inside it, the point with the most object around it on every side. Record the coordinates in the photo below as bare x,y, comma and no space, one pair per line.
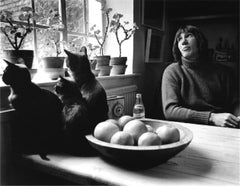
185,139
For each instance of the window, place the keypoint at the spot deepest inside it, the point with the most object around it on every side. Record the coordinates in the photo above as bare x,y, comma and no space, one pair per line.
79,20
77,16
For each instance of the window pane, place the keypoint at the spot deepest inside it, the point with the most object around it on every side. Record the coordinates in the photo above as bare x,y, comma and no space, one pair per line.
95,14
48,43
75,15
45,8
75,43
93,47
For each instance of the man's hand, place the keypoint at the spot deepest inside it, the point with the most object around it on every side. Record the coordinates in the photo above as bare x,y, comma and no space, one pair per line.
224,120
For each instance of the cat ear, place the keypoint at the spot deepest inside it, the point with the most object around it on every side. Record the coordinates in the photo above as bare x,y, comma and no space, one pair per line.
68,53
8,63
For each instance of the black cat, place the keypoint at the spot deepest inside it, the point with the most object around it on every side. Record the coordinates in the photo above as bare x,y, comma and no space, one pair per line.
84,100
38,124
75,116
91,90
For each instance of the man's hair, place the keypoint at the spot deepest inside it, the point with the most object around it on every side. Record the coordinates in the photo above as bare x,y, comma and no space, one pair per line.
202,43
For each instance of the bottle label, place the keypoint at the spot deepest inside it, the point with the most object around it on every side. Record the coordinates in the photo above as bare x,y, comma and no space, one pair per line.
138,111
139,115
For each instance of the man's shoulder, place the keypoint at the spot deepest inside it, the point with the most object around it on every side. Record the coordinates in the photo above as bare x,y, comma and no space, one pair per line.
173,67
173,71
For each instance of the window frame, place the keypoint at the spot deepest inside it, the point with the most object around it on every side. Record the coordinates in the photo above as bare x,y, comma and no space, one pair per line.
64,32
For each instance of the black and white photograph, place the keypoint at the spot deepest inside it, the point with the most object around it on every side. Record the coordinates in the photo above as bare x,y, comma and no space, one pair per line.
120,92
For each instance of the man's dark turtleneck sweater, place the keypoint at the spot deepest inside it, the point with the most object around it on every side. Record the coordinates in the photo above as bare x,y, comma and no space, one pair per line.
191,90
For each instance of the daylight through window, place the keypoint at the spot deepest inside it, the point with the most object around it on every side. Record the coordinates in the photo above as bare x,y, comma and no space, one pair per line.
59,24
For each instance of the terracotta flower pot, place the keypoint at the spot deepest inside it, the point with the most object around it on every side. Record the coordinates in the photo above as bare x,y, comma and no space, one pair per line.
52,67
118,69
52,62
102,61
19,57
104,70
118,61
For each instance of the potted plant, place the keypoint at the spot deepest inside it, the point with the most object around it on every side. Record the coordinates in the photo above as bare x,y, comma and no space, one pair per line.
102,61
16,34
51,44
119,28
52,61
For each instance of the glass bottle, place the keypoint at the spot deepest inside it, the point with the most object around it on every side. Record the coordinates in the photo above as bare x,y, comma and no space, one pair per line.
138,109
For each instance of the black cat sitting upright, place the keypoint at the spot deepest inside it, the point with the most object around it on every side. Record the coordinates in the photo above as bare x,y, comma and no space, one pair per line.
91,90
83,97
38,123
75,116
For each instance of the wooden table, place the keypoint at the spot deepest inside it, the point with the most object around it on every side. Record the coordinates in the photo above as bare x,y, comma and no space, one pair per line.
212,158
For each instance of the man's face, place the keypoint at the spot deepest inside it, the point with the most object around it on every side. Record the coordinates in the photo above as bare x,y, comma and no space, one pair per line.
187,44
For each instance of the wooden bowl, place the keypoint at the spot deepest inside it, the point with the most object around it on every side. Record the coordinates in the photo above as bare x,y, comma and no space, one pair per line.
138,157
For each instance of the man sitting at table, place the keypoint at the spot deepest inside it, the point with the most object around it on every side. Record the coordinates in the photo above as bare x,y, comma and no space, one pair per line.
195,90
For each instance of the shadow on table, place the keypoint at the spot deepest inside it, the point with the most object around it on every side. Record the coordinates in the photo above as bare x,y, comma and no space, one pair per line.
191,162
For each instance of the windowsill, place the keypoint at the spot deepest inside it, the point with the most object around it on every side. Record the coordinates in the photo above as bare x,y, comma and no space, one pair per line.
46,82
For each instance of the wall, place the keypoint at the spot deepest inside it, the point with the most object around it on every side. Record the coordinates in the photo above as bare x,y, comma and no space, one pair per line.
151,73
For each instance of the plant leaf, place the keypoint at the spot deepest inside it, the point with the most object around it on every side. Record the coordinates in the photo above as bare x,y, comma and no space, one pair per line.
5,14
